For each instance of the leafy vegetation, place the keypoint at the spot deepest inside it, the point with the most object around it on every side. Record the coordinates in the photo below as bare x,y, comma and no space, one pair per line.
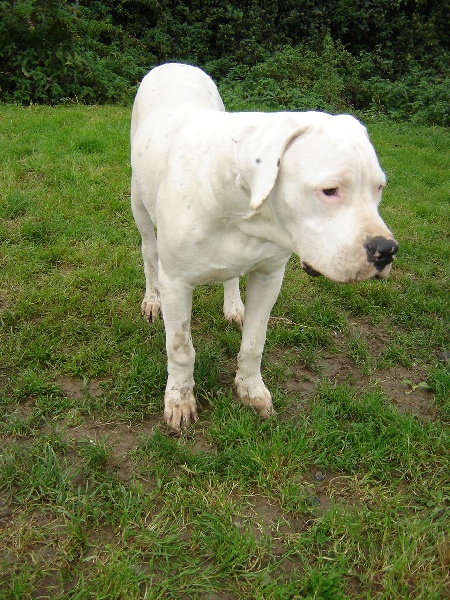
345,494
387,58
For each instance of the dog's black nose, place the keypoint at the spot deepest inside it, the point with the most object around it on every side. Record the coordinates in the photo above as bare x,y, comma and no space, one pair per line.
380,251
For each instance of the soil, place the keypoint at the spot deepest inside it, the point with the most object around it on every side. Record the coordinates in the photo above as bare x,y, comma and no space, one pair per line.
400,385
76,388
404,387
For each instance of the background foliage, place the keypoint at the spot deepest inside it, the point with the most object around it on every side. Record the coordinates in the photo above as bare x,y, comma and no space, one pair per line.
387,57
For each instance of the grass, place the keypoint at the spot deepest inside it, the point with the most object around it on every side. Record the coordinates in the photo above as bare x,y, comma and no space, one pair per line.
345,494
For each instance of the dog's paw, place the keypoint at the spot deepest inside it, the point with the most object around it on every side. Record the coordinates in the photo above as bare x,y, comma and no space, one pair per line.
151,307
252,392
234,312
179,408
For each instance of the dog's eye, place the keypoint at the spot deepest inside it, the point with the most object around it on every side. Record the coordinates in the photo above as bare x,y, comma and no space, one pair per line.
330,191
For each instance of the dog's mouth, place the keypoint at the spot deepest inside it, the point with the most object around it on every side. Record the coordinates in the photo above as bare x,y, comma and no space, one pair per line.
309,270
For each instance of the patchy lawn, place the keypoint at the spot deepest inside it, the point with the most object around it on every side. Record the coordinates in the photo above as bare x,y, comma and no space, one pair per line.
345,494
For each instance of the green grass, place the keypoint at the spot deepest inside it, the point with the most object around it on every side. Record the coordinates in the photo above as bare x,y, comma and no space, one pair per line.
345,494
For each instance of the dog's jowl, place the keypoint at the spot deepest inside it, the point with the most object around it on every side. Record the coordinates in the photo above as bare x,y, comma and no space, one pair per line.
236,193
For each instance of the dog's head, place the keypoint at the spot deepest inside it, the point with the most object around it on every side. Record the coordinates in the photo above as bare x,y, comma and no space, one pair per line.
320,175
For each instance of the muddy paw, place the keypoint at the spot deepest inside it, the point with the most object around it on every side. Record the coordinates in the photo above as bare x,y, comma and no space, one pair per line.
151,307
179,408
256,395
235,313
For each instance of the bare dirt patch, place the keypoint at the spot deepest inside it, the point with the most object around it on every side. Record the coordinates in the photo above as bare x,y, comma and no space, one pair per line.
122,439
201,442
405,387
74,387
377,338
272,520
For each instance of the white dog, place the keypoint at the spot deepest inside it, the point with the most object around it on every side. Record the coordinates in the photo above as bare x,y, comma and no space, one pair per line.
235,193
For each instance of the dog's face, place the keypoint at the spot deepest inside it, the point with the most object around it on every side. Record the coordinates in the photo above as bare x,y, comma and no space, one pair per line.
326,192
331,185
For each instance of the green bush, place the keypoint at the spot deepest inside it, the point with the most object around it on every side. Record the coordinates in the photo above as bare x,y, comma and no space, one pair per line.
299,79
419,96
50,54
333,80
383,58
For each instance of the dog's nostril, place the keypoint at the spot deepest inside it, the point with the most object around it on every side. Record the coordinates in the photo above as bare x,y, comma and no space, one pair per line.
380,246
380,251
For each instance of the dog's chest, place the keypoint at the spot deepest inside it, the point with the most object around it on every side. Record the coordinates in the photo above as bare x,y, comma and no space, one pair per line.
224,253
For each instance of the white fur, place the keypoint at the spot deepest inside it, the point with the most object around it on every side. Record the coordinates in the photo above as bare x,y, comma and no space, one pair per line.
235,193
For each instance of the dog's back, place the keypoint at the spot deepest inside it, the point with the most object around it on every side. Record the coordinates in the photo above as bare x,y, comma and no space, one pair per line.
172,90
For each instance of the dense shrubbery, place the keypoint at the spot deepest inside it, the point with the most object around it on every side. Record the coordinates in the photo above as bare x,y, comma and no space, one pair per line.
334,80
387,57
48,53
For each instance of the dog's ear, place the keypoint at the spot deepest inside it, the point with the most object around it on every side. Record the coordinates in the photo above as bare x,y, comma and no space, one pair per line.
258,153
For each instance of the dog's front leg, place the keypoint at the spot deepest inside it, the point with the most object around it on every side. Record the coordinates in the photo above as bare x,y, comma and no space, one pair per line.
179,401
262,292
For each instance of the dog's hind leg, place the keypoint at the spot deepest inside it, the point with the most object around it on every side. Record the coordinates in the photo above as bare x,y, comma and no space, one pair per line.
151,304
233,307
